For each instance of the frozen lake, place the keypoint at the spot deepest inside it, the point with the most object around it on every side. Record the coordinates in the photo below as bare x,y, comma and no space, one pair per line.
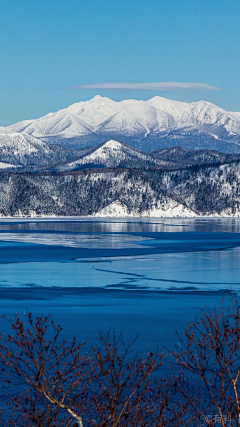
137,254
139,276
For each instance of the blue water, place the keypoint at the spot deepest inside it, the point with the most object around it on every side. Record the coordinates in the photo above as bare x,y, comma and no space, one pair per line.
159,255
140,276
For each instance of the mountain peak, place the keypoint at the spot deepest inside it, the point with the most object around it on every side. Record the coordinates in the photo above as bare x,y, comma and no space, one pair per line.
100,118
98,98
112,143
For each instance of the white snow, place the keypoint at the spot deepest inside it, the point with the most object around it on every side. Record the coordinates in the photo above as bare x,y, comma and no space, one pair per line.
115,209
8,165
21,143
172,209
130,117
23,149
110,154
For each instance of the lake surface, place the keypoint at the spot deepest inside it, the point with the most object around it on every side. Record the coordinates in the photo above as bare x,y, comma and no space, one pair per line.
146,276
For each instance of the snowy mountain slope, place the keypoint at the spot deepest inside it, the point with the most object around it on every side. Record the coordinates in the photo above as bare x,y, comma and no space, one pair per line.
196,191
183,157
82,193
112,154
144,124
21,149
137,117
210,191
79,119
202,115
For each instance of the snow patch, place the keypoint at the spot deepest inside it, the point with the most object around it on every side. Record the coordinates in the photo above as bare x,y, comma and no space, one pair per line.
8,165
115,209
171,209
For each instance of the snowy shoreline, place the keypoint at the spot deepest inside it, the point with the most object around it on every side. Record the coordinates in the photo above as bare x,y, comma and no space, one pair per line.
98,217
118,210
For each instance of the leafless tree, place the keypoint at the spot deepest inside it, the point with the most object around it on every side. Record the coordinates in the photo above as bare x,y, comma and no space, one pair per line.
58,383
30,409
56,373
208,351
122,393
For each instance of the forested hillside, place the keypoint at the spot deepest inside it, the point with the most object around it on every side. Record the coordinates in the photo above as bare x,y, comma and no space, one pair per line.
203,190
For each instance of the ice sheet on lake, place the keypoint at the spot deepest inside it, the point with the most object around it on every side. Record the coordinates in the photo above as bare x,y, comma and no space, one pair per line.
203,271
197,271
76,240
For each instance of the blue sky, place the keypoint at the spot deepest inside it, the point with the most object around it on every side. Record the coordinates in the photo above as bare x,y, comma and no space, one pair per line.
49,46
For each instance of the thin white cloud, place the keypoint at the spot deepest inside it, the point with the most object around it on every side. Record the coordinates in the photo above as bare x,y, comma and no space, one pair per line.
156,86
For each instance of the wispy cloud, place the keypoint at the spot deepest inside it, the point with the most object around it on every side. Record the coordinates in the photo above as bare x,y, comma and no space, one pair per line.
156,86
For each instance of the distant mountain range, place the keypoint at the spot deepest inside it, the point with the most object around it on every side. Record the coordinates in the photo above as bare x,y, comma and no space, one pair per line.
25,153
146,125
115,154
131,158
115,179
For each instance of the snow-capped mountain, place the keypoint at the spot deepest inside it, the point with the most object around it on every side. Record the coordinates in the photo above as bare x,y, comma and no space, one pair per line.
21,149
113,154
147,125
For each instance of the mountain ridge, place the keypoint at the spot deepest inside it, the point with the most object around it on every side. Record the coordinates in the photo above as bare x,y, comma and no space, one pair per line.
195,191
115,154
150,124
23,150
